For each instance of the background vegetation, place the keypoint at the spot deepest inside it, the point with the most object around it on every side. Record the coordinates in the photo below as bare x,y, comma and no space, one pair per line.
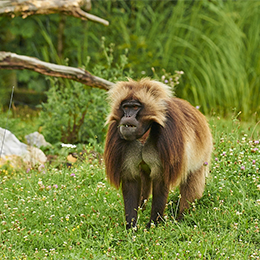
216,44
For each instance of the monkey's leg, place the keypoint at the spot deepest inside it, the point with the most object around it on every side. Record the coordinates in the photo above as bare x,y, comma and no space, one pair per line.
131,190
146,188
192,189
160,195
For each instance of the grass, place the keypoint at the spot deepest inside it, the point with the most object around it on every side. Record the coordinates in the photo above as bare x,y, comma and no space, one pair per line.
73,213
215,43
21,121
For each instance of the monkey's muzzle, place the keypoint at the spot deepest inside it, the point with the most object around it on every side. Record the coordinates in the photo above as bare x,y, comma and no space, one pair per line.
128,132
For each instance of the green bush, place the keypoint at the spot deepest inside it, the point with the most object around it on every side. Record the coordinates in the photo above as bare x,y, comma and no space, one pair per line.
74,114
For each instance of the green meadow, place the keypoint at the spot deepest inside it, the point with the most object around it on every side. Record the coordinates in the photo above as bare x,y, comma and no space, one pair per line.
73,212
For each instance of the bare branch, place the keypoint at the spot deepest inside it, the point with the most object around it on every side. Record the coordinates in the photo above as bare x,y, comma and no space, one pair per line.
12,61
25,8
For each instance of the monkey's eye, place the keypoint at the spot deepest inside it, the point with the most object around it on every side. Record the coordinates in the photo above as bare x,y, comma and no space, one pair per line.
133,106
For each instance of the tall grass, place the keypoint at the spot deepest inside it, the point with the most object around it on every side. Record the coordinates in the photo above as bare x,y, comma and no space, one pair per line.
214,42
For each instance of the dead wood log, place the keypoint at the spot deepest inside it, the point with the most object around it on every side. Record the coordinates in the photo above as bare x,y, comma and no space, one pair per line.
11,61
25,8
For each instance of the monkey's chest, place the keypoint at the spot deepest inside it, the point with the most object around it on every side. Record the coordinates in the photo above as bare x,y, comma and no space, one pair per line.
144,156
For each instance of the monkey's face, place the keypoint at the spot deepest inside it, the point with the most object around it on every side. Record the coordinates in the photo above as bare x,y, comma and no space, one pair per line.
131,127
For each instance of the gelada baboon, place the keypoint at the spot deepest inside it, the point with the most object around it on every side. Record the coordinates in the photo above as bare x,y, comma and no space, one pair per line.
155,142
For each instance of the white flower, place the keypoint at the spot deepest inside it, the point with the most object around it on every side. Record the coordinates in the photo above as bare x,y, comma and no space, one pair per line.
68,145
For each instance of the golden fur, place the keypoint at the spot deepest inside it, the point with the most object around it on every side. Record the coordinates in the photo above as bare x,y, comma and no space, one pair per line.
176,152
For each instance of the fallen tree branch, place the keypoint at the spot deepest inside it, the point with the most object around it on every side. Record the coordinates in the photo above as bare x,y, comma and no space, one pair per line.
13,61
25,8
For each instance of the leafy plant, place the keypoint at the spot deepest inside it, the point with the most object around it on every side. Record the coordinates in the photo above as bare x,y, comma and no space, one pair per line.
111,68
75,114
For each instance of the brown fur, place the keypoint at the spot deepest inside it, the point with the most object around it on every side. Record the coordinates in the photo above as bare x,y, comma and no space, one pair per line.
174,154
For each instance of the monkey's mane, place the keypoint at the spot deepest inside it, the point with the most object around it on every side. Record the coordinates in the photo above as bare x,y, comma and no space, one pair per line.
151,93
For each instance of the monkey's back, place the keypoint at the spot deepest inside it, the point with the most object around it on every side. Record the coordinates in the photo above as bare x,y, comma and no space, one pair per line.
185,142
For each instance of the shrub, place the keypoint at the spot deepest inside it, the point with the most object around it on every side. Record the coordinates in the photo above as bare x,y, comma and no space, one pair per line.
74,114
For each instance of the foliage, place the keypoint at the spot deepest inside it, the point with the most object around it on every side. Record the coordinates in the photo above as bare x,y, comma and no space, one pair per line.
15,39
73,114
73,213
112,69
214,42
